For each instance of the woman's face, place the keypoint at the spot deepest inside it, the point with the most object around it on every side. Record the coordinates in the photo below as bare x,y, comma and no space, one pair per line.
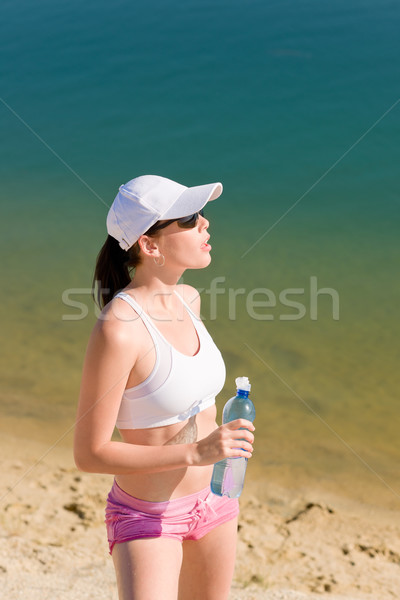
186,248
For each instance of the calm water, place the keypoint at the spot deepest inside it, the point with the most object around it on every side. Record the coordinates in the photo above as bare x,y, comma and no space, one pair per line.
292,105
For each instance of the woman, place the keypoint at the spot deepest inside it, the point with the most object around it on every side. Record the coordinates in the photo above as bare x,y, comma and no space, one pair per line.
152,370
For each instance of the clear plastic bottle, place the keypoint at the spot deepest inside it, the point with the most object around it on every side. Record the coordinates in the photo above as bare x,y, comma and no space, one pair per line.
228,474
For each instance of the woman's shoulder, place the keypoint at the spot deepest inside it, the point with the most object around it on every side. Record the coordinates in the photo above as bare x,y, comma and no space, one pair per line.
191,296
118,323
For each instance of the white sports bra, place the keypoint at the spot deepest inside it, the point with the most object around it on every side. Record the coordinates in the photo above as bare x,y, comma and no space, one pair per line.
179,385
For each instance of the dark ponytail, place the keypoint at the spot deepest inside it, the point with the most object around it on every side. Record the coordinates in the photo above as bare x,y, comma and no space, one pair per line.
113,270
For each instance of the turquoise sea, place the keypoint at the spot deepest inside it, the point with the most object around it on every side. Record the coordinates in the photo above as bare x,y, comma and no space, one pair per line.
295,107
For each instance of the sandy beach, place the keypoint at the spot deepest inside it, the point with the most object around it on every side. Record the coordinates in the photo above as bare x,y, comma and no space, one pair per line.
291,546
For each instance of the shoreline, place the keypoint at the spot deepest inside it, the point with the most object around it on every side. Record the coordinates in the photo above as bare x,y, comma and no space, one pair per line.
292,544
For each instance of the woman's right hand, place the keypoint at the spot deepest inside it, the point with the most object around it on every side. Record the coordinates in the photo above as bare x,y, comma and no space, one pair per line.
232,440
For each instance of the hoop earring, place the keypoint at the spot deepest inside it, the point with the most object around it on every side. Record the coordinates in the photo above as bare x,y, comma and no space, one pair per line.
161,264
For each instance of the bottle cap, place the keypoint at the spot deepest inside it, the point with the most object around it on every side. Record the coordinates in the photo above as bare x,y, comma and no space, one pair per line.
242,383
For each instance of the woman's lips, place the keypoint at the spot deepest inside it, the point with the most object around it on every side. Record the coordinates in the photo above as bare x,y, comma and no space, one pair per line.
205,245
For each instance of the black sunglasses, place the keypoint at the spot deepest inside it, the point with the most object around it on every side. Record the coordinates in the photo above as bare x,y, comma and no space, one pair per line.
185,222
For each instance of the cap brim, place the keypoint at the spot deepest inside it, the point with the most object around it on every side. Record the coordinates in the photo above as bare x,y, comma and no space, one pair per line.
192,200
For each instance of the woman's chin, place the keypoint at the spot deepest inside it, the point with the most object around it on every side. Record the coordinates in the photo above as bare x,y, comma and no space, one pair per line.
202,264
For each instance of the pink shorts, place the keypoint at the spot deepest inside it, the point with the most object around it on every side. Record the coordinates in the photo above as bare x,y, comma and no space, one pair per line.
187,518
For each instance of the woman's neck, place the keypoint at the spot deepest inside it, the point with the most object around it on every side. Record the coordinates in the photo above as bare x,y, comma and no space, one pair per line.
155,288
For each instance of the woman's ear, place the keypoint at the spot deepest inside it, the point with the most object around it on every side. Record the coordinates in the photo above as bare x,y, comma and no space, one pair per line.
148,245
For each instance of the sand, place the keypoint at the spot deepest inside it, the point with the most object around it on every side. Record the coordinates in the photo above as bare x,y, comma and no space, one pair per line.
292,546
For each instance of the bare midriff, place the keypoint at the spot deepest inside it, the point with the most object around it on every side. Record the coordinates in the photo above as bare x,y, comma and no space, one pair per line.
166,485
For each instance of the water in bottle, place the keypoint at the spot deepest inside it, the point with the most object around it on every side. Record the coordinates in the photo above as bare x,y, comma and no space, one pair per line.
228,474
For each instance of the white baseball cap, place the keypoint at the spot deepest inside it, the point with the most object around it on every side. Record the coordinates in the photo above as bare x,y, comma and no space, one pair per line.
147,199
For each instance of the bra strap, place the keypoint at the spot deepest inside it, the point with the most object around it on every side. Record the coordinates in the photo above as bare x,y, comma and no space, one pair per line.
186,305
137,308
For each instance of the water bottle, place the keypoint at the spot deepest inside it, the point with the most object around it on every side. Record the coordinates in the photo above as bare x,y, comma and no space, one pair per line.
228,474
